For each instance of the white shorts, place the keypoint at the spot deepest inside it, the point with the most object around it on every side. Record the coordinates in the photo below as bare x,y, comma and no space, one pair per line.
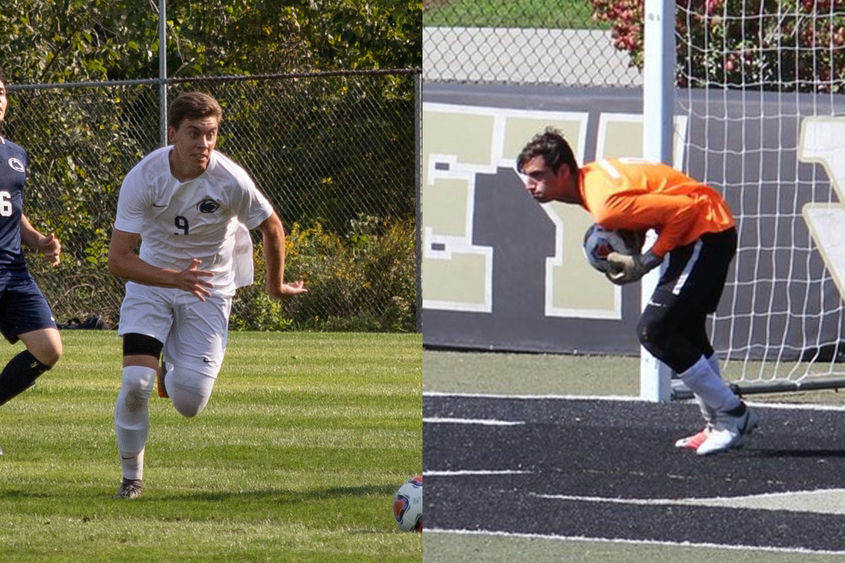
194,332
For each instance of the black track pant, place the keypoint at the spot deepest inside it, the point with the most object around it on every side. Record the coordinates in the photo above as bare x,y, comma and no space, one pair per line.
673,324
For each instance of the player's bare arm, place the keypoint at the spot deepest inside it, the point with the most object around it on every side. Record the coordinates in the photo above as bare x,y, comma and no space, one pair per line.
48,245
125,263
273,234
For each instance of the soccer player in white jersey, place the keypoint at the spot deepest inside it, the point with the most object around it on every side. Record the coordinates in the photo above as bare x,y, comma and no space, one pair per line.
191,208
24,313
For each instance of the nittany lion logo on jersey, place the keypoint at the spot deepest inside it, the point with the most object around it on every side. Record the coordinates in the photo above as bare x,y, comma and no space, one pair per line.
16,164
208,205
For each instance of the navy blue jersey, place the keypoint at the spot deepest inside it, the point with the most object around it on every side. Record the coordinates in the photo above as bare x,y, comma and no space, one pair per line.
12,178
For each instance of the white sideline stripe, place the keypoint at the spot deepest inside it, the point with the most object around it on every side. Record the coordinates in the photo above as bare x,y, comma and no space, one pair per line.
629,541
797,406
626,398
465,472
638,501
481,421
819,501
534,397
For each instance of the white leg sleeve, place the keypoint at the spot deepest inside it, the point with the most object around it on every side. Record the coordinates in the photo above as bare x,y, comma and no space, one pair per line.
708,387
708,413
189,390
132,419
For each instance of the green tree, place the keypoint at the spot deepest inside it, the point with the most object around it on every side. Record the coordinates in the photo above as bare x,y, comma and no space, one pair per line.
326,150
81,40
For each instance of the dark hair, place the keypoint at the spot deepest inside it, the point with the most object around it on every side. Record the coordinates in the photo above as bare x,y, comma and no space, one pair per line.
192,105
2,76
552,147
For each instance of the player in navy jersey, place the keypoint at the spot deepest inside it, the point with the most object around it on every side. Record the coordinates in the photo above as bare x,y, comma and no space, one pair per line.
24,313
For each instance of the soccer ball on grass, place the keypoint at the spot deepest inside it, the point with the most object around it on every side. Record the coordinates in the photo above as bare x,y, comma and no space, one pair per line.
599,242
407,505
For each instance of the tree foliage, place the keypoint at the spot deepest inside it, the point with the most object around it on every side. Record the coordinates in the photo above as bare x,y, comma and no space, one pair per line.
48,41
326,150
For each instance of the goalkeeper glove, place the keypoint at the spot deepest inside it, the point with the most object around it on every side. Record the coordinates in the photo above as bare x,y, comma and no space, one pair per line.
626,269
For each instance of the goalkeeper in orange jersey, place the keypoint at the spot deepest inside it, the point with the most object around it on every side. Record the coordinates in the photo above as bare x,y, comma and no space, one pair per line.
696,238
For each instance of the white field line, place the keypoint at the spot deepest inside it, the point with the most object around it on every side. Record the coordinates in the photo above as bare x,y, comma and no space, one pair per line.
820,501
481,421
532,397
628,541
824,501
787,406
830,501
471,472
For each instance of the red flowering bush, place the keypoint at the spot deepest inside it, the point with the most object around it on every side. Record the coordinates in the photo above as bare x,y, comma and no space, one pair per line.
787,45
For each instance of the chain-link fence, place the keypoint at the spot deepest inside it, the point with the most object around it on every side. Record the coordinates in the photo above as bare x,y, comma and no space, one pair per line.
336,153
557,42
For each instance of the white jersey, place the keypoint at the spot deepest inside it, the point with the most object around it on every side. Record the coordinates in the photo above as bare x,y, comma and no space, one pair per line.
207,218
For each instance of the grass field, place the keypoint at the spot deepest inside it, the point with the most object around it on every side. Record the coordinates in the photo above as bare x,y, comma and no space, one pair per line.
570,14
297,456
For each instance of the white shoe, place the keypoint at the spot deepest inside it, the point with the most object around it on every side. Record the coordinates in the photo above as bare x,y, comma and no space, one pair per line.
728,432
692,442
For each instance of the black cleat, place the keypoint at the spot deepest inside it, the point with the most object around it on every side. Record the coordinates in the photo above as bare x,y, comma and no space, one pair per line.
130,488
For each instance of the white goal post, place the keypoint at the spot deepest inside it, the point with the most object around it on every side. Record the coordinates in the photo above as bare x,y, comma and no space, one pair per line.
658,115
764,97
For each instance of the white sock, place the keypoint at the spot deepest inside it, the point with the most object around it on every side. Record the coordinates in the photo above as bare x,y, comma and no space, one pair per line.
132,465
708,387
714,363
132,419
706,412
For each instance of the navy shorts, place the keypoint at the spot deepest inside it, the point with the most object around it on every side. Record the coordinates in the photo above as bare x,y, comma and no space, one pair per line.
22,306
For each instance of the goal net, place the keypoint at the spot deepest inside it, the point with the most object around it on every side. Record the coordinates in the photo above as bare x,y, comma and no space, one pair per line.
763,87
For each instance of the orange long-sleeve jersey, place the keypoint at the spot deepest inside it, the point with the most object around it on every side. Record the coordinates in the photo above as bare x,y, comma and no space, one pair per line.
637,195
